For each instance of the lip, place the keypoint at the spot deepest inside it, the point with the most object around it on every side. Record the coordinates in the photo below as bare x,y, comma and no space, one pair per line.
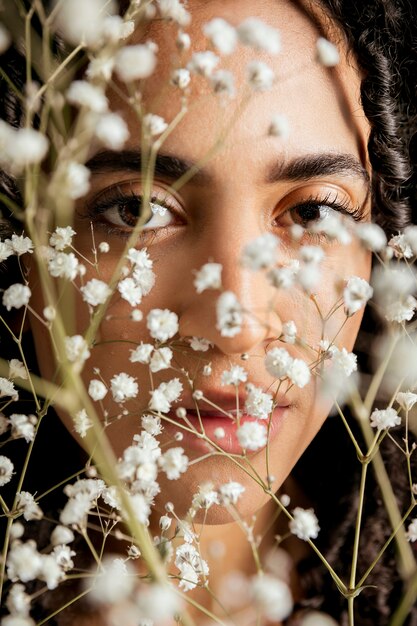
211,418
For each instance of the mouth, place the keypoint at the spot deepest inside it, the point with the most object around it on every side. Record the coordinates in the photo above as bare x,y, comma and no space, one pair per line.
207,428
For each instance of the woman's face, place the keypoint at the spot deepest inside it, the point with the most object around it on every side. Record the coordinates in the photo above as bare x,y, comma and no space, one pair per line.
252,184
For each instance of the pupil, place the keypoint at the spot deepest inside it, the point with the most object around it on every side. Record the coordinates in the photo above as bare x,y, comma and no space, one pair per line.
130,211
308,213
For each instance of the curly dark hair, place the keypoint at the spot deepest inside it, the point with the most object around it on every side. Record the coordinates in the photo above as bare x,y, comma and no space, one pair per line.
382,34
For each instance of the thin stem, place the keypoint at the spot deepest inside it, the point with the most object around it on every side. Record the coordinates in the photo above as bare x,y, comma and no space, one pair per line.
358,526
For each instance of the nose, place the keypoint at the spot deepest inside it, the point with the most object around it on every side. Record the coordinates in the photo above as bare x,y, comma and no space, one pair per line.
259,320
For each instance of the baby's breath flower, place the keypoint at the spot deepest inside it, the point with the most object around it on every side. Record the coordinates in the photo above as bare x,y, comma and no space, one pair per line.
112,131
136,315
208,277
161,359
205,497
174,10
74,179
164,523
61,535
130,291
158,603
344,361
95,292
154,124
258,403
272,597
234,376
356,294
162,324
279,126
61,238
173,462
229,314
252,435
261,252
230,493
141,354
16,296
299,373
63,556
7,388
77,349
411,533
401,247
18,602
304,524
406,399
23,561
115,28
81,93
278,362
199,344
25,503
372,236
393,287
82,423
289,332
183,41
181,78
410,235
190,565
151,424
259,35
104,247
223,82
123,387
17,369
135,62
6,250
384,418
26,147
63,265
114,581
283,277
221,34
49,313
81,22
219,433
23,426
203,63
6,470
260,76
327,53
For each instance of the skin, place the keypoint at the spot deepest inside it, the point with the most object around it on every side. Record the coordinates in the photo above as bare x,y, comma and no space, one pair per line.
212,222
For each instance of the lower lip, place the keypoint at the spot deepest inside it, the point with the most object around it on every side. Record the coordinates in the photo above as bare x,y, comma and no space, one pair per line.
229,443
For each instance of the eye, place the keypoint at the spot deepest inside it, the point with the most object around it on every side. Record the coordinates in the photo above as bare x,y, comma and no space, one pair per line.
314,211
310,213
126,212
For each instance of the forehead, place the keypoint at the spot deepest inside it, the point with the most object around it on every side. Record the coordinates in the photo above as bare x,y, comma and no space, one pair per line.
321,105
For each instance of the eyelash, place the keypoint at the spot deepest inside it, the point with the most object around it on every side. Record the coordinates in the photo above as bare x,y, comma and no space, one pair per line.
116,197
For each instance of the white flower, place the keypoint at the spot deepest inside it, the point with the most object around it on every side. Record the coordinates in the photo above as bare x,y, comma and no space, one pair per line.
410,235
190,564
82,423
372,236
258,403
100,67
344,361
223,82
401,247
199,344
61,535
142,353
234,376
161,359
283,277
260,76
18,602
261,252
279,126
208,277
252,435
203,63
23,561
165,395
158,603
311,254
411,533
76,349
83,94
114,581
230,492
384,418
17,369
406,399
63,265
112,131
74,179
333,225
95,292
76,509
61,238
139,258
181,78
229,314
26,147
272,597
173,462
25,503
327,53
6,470
123,387
205,497
49,313
219,433
183,41
5,39
278,362
305,524
259,35
50,572
299,373
222,35
16,296
6,250
174,10
20,244
151,424
22,426
130,291
289,332
104,247
162,324
63,556
356,294
154,124
135,62
7,388
82,22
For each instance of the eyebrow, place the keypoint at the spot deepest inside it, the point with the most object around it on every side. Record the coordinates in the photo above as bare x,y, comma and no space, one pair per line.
173,167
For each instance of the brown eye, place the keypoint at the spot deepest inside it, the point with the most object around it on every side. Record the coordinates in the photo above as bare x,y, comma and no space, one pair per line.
309,213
